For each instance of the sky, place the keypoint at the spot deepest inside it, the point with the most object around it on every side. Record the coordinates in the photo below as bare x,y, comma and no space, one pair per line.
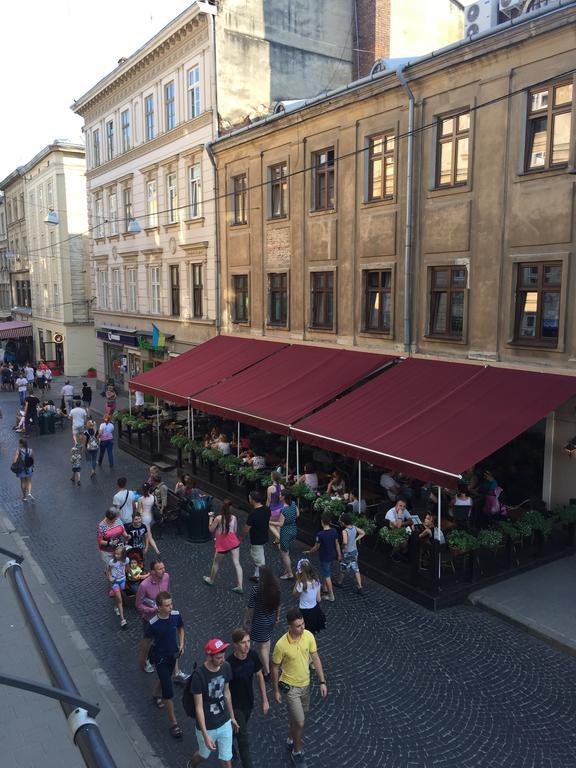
53,52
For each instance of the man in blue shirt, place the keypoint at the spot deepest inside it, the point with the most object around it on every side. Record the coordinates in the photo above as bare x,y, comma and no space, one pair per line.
328,548
164,640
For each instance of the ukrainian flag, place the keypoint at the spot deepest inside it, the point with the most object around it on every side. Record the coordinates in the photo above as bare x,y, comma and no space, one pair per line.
158,338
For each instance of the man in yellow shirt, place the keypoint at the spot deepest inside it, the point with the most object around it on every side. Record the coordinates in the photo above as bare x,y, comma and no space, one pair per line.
293,653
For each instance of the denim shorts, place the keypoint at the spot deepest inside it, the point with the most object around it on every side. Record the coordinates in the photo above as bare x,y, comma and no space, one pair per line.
326,568
349,562
222,737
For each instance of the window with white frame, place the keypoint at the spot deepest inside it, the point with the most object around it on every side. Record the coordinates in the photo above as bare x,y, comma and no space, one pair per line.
33,213
98,217
50,195
113,213
149,117
169,106
40,203
155,290
96,147
45,299
110,139
127,212
56,299
126,130
193,92
52,243
197,290
171,198
103,288
132,289
116,290
152,202
194,190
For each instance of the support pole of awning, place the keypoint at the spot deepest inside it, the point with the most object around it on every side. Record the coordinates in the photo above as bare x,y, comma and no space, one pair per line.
359,486
192,421
158,425
189,430
437,549
297,461
287,454
130,402
238,439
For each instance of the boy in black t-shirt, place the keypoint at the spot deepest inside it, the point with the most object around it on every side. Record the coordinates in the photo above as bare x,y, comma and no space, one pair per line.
215,719
245,664
140,537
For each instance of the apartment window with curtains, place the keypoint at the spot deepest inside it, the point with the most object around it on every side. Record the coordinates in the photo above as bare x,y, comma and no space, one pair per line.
110,139
538,303
155,290
56,299
96,147
447,292
240,198
126,130
99,217
453,150
377,300
194,190
170,105
103,288
149,117
278,182
113,213
322,300
127,212
278,299
116,290
132,289
152,203
323,179
197,290
549,126
381,167
172,198
175,290
193,92
240,307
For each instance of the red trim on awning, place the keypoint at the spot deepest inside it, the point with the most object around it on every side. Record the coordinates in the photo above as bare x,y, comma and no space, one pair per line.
294,382
14,329
213,361
433,420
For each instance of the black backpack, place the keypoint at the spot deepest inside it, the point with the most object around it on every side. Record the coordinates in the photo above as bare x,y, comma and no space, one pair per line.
187,696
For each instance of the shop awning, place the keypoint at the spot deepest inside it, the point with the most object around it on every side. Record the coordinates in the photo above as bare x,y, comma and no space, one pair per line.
14,329
294,382
209,363
433,420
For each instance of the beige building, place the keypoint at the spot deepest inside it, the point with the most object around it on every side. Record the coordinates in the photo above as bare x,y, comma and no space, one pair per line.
13,187
427,211
5,292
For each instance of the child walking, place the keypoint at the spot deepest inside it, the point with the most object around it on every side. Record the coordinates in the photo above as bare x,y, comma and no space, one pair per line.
307,589
76,461
351,535
328,548
117,577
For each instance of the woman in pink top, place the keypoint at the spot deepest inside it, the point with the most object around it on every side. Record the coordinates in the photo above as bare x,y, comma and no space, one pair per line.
225,528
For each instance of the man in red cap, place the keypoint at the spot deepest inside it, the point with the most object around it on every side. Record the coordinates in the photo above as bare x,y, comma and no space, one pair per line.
213,703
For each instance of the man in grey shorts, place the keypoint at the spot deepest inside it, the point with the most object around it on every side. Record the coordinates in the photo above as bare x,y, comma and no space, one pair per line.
257,526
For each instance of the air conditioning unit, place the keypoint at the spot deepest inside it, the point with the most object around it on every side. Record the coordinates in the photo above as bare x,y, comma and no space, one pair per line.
508,6
480,16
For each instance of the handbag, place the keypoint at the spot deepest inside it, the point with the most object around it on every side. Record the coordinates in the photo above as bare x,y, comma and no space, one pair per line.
17,466
93,443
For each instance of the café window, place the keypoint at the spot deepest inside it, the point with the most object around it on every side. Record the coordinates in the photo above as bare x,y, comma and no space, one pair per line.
323,179
278,298
239,298
322,300
381,159
447,292
549,125
538,303
453,150
378,300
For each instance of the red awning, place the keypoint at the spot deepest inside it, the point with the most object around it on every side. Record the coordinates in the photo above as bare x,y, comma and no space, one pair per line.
294,382
14,329
433,419
223,356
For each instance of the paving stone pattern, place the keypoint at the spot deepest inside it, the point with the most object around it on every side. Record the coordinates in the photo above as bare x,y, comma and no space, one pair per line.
407,688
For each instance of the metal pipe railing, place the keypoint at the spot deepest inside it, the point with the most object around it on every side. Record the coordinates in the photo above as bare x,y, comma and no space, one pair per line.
84,731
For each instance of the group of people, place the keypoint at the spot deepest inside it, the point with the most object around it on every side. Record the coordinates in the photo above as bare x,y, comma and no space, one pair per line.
25,379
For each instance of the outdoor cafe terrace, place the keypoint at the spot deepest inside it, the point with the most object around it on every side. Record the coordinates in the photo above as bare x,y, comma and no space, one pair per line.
427,422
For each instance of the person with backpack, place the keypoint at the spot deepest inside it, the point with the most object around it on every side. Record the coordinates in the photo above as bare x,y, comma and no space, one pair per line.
124,500
92,446
23,467
164,641
213,711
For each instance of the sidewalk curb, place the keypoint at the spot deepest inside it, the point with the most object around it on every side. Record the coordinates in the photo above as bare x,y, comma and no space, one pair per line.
140,747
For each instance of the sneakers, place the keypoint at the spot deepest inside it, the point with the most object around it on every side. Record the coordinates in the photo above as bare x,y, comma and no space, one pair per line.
359,591
181,677
30,497
254,579
238,590
298,759
116,609
289,743
149,667
123,624
208,580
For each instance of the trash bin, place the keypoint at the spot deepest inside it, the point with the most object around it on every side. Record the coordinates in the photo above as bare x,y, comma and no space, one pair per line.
46,424
196,519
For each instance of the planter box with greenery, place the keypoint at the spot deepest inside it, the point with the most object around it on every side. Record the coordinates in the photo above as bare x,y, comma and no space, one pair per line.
462,542
394,537
490,538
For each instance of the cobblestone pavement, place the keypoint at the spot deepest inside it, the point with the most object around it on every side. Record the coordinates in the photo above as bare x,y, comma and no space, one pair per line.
407,688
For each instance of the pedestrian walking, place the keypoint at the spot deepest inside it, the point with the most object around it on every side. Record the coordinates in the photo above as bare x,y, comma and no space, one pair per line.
292,654
67,393
92,446
124,500
106,438
48,377
117,576
40,378
224,526
23,465
138,401
76,461
140,538
145,505
307,590
215,721
256,526
245,665
328,548
261,614
274,502
22,386
110,400
29,373
164,642
288,530
86,396
351,535
78,417
110,534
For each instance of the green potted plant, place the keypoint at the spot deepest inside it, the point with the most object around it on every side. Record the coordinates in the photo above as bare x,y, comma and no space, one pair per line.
91,373
490,538
326,503
394,537
462,542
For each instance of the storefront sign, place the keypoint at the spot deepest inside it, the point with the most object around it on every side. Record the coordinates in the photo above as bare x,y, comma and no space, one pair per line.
109,336
114,337
58,338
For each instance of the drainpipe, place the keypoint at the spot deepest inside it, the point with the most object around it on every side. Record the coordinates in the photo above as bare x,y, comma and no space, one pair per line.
409,227
215,169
